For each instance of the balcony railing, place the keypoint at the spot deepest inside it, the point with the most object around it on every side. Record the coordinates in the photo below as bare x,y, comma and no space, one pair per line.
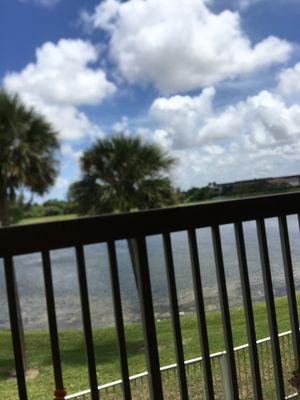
43,238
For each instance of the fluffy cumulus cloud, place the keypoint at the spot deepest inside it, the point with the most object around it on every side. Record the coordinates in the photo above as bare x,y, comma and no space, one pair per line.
60,80
181,45
262,132
179,118
289,81
263,120
122,127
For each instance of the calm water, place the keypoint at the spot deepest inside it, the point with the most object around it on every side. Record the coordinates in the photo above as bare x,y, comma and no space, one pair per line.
30,279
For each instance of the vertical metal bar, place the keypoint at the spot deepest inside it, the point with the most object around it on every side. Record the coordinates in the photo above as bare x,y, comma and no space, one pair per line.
114,276
87,324
200,310
234,393
175,315
60,392
148,321
250,324
290,286
11,288
272,320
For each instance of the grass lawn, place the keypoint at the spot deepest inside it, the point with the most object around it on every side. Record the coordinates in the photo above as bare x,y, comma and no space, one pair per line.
73,357
46,219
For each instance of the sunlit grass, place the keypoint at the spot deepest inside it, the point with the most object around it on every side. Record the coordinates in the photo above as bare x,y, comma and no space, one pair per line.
37,220
73,354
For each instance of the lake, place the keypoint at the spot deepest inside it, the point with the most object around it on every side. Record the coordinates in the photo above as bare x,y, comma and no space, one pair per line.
31,287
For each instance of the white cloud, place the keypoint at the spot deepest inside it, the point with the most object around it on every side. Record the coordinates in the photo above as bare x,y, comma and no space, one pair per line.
121,127
259,121
59,81
197,168
71,123
61,75
67,150
62,183
256,137
289,81
181,45
179,118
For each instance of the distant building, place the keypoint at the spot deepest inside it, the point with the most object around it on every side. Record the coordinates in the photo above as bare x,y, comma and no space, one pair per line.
292,181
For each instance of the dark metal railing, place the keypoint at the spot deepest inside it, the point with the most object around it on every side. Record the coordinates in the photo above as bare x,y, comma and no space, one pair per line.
137,226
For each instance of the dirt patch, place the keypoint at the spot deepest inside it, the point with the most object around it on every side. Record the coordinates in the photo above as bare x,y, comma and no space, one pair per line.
30,374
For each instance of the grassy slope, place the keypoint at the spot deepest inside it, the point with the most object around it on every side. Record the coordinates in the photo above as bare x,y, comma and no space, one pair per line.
46,219
72,346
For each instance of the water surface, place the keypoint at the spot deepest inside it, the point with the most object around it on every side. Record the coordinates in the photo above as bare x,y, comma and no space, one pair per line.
31,286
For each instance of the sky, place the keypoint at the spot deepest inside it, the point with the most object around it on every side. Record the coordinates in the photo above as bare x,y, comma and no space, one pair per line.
216,83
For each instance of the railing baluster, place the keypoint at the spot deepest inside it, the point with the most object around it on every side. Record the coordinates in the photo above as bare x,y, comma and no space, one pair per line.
11,289
234,393
60,392
290,286
87,324
248,307
175,315
114,275
200,310
148,321
272,320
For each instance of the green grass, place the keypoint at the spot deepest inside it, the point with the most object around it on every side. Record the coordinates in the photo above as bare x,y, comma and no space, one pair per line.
46,219
72,348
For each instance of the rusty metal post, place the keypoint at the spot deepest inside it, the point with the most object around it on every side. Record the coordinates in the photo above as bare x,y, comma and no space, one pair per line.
60,394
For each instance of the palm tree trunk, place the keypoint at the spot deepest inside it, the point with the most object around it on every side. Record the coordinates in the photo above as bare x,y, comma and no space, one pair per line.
5,221
21,326
134,261
4,208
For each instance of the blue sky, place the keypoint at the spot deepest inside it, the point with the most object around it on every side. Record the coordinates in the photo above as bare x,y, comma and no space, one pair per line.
214,82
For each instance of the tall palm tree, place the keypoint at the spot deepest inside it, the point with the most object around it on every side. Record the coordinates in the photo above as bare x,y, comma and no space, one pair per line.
123,174
28,147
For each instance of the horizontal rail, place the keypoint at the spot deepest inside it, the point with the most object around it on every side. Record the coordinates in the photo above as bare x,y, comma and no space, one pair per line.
26,239
174,366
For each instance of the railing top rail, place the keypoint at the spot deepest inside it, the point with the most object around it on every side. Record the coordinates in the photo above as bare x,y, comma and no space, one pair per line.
25,239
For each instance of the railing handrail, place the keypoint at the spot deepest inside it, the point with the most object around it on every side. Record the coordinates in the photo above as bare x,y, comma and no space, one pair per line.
17,240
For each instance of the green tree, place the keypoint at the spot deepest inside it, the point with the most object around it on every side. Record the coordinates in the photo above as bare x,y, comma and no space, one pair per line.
122,174
200,194
28,146
55,207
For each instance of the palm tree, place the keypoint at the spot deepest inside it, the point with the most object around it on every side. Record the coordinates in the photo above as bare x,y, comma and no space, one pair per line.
27,160
28,146
122,174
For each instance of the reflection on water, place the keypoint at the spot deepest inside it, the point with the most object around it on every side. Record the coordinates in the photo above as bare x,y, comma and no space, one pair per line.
31,287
